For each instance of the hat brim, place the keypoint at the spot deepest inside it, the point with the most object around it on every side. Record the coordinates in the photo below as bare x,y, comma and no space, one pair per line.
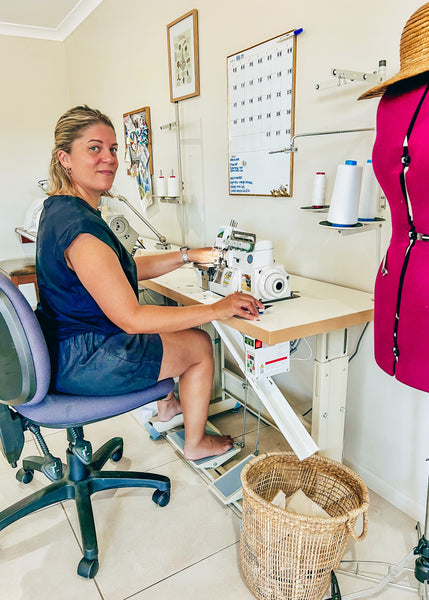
379,89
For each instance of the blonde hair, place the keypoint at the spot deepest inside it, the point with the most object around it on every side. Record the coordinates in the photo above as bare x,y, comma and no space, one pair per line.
68,128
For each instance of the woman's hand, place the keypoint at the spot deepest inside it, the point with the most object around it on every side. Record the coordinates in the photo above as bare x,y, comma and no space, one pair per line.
237,305
202,256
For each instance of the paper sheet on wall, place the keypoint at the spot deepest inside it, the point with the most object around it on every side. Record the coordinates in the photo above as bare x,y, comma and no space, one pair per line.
260,117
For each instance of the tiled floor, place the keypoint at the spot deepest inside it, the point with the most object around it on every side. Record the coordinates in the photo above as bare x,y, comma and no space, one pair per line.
187,550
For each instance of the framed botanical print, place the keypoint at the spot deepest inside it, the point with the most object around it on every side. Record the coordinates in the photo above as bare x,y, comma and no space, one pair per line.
182,38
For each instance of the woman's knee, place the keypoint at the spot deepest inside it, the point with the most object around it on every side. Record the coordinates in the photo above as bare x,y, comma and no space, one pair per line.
199,346
182,350
205,341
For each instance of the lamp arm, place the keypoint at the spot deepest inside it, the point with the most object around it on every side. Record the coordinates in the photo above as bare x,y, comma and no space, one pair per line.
292,141
160,237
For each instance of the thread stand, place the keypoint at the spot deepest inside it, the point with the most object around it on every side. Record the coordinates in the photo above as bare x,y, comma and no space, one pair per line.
170,199
177,199
345,76
421,569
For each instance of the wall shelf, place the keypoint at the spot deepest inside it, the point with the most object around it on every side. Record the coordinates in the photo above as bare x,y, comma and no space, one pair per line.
322,209
359,227
171,199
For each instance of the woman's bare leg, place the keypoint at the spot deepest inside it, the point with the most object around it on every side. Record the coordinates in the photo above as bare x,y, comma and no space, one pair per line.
169,407
189,355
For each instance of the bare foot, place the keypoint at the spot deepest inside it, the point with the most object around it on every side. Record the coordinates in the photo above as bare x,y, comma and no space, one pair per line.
168,408
210,445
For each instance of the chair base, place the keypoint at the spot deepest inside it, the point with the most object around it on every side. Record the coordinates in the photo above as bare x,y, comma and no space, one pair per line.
79,482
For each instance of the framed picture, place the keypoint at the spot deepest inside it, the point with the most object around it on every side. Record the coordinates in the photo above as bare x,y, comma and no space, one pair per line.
182,37
138,151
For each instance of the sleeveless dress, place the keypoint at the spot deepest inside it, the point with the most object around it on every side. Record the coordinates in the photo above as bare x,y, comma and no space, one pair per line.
89,354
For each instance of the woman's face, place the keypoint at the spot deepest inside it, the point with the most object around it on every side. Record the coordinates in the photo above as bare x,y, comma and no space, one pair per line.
93,161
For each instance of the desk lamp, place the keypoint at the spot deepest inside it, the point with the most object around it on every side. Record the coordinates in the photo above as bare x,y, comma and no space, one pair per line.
162,240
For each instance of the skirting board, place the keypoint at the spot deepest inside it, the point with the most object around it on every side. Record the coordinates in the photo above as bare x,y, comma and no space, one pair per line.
408,505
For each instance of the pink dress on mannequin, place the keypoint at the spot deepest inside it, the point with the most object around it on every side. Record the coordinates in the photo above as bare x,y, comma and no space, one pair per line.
411,363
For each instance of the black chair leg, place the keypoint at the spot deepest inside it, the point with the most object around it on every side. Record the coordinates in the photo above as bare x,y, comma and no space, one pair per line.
107,480
86,520
113,449
52,494
49,465
88,565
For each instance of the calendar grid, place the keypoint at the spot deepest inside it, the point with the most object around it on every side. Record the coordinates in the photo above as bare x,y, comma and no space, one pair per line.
260,116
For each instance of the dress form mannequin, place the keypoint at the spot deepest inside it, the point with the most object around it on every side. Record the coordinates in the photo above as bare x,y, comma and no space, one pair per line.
400,289
401,165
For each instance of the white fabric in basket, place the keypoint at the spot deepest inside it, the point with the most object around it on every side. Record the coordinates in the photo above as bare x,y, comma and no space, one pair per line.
299,503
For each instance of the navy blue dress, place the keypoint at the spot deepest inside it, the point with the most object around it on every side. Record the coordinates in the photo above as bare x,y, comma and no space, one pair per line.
89,354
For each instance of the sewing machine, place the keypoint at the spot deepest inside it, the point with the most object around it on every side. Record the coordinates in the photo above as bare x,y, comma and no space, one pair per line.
123,231
247,265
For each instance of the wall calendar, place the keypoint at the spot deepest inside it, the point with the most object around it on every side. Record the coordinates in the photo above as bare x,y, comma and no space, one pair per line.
261,89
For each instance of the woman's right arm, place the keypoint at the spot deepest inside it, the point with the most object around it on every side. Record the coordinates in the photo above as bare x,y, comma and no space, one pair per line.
100,272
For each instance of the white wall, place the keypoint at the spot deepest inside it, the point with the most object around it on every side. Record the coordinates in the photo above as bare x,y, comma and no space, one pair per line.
117,61
34,91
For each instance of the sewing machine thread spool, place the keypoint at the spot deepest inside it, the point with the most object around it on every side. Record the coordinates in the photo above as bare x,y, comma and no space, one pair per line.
161,185
368,194
343,211
173,185
319,190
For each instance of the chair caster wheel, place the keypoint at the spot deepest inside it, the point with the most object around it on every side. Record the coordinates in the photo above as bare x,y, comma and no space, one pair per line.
116,456
24,476
87,568
161,498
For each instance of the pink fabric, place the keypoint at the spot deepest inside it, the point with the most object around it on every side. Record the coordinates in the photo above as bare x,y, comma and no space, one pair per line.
393,119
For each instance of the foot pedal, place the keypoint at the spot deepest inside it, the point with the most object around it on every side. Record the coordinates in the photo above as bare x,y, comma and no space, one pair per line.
154,434
228,487
161,426
177,438
215,408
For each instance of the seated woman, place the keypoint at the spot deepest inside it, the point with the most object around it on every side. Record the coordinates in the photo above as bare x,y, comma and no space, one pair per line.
101,340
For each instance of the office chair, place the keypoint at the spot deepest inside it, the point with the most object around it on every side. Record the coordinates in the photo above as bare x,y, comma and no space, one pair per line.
25,404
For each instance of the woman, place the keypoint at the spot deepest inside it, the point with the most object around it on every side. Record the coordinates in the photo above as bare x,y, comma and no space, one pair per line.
101,340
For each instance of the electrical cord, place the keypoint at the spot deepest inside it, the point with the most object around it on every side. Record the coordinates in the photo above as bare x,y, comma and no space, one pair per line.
295,348
358,342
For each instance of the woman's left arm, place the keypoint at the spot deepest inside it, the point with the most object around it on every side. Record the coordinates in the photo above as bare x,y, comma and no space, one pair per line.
163,262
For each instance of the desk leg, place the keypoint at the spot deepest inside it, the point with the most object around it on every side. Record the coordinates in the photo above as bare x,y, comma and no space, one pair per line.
329,393
280,410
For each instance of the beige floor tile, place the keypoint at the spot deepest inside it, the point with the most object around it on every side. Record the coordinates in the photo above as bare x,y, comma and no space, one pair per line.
231,423
186,550
141,543
215,578
350,585
391,533
39,555
10,489
44,544
270,440
391,536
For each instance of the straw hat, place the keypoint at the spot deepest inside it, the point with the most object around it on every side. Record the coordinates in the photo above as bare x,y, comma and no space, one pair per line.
414,51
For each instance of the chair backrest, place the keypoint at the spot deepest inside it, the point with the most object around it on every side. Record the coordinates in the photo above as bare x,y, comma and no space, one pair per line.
24,359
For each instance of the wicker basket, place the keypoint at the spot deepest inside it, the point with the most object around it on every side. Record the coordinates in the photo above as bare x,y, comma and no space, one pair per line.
288,556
